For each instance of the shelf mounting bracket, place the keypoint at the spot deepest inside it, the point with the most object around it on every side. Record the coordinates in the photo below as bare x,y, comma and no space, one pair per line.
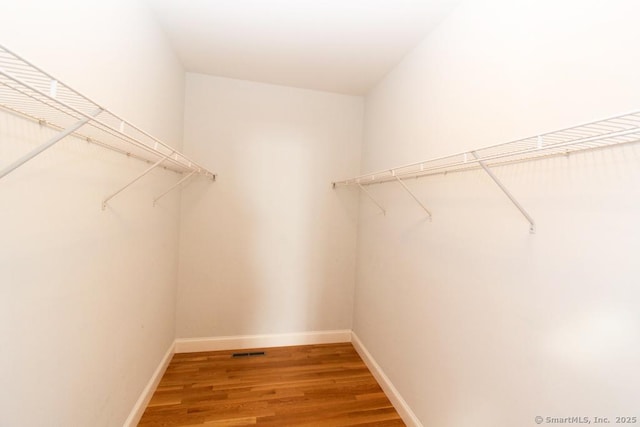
50,143
532,224
408,190
365,191
173,186
155,165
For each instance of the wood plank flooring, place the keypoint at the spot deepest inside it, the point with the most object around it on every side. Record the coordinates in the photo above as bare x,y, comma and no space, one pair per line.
316,385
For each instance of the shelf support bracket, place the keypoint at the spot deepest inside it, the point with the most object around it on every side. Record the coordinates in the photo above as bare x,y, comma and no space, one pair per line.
365,191
532,224
155,165
408,190
50,143
173,186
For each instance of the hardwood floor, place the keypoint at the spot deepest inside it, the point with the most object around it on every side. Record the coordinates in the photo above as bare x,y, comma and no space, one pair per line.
316,385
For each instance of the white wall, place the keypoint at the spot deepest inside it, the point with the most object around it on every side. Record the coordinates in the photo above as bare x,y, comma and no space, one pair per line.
87,298
475,321
270,247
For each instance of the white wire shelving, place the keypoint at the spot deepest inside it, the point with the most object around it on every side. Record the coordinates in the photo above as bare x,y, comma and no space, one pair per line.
623,129
30,92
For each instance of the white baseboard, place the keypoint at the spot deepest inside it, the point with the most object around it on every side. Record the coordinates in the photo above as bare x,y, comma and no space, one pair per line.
407,415
189,345
147,393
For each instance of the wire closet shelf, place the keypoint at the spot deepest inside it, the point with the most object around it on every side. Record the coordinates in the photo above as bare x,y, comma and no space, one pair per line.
617,130
623,129
30,92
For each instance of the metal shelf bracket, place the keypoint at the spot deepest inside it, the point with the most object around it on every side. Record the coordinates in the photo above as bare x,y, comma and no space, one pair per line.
408,190
532,224
365,191
50,143
155,165
176,185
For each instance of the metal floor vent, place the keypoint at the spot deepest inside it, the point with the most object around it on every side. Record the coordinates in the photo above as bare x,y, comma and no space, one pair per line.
254,353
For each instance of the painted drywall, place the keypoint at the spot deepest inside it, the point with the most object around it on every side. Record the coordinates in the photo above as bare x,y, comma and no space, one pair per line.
270,247
475,321
87,298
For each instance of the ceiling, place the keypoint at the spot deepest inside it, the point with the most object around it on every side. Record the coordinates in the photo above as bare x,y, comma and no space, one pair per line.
343,46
